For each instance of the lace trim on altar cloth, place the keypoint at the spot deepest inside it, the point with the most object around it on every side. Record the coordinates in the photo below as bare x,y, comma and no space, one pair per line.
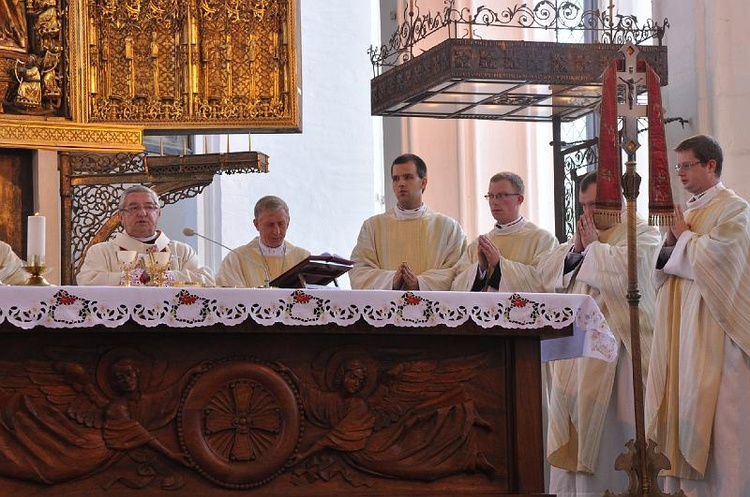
66,307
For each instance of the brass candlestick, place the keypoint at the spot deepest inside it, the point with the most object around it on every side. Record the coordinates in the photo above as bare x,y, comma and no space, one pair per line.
36,270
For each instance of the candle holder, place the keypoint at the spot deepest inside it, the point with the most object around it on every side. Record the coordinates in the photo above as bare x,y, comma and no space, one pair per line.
36,271
128,261
157,265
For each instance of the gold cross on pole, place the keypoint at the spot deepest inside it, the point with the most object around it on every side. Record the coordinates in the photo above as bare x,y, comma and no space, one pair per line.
628,82
642,460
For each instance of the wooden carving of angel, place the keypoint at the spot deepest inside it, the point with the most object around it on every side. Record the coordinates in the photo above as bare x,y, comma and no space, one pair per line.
415,420
60,420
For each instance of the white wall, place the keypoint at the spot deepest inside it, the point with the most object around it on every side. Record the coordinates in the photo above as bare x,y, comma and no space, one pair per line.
708,76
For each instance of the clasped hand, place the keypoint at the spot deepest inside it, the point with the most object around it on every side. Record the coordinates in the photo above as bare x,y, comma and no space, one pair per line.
586,233
405,278
679,226
488,254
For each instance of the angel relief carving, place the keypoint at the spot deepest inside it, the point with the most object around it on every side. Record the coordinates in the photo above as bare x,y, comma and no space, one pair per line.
85,412
239,423
413,421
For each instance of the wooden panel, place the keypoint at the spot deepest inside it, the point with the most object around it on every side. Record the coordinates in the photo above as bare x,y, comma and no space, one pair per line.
16,197
527,437
282,411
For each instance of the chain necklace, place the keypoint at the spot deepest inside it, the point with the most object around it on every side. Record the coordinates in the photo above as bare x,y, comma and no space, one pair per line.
265,262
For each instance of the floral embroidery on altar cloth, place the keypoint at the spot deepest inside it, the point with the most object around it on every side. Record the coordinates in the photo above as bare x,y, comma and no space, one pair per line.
64,308
194,308
186,308
302,308
412,308
521,310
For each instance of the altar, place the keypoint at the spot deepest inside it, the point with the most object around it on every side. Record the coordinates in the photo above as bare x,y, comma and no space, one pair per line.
276,392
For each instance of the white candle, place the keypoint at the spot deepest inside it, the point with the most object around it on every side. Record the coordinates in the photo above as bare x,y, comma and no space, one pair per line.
35,239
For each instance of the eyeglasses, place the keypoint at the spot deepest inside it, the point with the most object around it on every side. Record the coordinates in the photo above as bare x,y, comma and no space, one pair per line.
500,196
687,165
135,209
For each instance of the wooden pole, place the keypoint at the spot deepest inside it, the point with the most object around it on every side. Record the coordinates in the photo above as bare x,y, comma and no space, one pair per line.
642,462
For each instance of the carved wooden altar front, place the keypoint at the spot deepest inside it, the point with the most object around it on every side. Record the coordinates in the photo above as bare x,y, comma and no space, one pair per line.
238,409
136,406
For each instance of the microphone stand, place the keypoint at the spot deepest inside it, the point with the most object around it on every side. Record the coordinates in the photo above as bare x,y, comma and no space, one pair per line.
266,276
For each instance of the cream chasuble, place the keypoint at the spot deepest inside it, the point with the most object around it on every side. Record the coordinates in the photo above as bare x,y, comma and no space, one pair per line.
579,390
11,266
246,266
100,266
431,244
703,298
521,252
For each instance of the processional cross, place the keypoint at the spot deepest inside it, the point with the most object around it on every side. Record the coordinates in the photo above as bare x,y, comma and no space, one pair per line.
642,462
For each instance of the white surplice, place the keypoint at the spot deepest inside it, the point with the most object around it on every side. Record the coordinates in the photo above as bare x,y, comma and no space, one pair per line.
591,414
697,397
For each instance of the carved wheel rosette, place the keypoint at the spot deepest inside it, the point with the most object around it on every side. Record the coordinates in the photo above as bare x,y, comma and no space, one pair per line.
240,423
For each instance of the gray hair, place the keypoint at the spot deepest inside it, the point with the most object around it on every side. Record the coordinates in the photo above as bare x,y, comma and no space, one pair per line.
511,178
270,203
136,189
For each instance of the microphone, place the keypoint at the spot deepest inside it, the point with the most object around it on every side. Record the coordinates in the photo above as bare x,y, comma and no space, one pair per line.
192,232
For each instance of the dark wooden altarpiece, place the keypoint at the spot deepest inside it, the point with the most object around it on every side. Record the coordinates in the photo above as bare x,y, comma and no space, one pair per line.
271,411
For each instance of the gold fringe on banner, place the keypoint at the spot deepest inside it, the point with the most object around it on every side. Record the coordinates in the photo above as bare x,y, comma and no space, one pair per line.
607,217
660,219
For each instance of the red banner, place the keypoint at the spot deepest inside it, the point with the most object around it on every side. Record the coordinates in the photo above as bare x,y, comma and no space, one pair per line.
608,190
660,204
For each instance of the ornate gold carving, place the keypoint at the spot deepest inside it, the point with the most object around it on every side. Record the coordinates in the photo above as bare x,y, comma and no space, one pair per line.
172,64
38,79
13,29
67,136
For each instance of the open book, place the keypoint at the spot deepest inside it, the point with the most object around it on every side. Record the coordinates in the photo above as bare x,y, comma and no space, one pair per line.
317,270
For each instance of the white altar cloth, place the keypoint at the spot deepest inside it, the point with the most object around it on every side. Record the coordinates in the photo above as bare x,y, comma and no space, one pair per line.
80,307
